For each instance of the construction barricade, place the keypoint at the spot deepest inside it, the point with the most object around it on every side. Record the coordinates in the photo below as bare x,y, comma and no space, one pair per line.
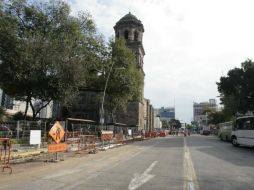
119,138
5,147
72,139
5,153
147,134
87,144
106,137
162,134
153,134
137,136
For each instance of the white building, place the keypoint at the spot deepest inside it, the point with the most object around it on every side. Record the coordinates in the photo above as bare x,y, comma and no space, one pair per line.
19,106
157,123
199,109
46,112
13,106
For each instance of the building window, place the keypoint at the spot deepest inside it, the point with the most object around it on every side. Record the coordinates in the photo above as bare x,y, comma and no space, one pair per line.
136,36
126,34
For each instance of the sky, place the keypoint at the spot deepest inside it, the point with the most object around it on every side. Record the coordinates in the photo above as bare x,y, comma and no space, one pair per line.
189,44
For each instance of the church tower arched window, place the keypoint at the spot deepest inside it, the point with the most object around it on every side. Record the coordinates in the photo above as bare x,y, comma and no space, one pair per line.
136,36
126,34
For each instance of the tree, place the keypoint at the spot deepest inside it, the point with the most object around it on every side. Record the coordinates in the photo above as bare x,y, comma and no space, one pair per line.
165,124
217,117
45,52
125,82
237,89
2,114
175,123
189,127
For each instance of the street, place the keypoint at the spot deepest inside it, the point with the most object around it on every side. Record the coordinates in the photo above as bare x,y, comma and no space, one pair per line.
174,162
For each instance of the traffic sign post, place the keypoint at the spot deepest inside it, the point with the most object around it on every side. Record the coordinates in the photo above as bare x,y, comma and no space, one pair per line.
57,133
57,147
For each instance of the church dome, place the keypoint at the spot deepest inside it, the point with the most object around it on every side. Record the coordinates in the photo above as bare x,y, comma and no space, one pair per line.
129,19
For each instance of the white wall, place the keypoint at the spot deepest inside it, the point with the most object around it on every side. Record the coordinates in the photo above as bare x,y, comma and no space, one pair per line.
157,123
20,106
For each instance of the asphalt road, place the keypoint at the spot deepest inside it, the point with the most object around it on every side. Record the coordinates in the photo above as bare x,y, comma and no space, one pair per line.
191,163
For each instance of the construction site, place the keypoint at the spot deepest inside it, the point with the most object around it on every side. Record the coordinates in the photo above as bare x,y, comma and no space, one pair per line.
25,142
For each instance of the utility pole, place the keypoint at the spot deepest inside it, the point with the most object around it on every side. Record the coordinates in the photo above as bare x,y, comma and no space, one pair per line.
103,98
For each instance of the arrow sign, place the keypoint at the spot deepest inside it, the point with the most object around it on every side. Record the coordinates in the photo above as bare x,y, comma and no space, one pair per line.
139,180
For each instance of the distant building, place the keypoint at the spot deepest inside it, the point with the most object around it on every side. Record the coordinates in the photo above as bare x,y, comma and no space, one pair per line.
157,123
5,100
13,106
166,114
47,111
86,106
199,109
149,115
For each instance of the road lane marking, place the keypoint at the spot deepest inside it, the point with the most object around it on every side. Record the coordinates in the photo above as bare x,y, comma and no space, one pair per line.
61,173
139,180
93,175
190,182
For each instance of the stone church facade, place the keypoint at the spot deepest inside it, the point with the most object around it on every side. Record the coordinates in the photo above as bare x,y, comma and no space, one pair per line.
86,106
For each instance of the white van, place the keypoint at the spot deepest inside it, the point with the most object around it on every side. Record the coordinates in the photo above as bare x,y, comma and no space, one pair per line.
243,131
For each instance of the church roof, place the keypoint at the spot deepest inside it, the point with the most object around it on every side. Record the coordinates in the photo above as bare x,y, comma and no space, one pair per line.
129,19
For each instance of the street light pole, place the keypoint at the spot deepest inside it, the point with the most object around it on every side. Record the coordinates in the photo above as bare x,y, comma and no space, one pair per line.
103,98
206,118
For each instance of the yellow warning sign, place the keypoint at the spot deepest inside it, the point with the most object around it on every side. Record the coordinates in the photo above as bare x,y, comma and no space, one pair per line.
57,132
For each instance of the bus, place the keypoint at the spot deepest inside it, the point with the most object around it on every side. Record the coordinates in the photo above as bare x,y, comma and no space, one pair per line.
243,131
225,130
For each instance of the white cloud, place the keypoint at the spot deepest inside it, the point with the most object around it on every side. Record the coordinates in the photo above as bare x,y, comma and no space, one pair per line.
189,44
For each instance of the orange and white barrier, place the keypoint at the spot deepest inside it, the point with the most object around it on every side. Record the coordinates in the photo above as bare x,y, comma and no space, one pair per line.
106,135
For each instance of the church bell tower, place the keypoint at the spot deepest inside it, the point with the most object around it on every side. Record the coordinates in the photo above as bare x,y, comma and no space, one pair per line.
132,29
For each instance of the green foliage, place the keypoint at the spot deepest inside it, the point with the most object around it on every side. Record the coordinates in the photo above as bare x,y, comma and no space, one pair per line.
237,89
175,123
45,52
165,124
20,116
215,117
126,82
218,117
188,126
2,114
208,110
